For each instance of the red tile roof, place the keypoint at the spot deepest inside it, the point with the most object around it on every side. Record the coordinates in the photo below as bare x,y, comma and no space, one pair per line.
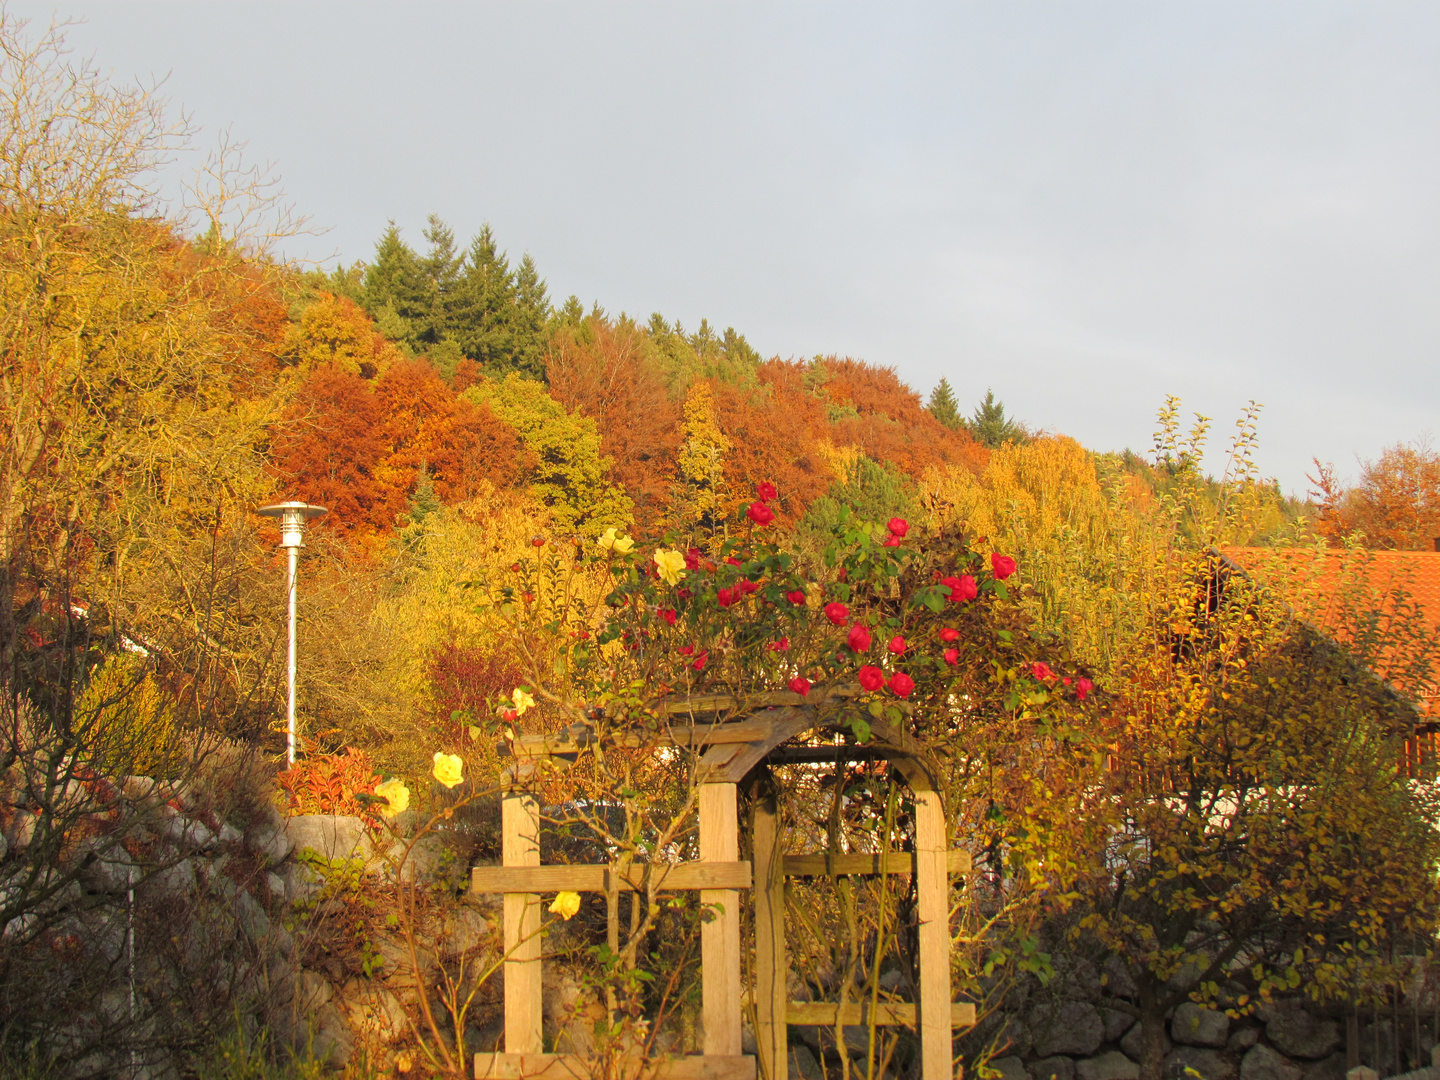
1387,574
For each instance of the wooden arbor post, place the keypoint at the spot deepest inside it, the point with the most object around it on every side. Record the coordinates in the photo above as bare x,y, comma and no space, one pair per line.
731,751
931,863
718,875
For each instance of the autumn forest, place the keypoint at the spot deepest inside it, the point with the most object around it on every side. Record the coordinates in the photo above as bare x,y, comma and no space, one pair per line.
1174,727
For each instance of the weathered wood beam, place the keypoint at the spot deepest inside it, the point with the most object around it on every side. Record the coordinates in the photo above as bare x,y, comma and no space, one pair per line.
578,1067
586,877
865,865
828,1013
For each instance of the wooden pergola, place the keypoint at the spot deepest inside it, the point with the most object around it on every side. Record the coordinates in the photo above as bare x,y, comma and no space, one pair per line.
729,754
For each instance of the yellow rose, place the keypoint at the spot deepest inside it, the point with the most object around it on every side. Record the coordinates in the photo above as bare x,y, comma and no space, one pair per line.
566,904
448,769
395,794
814,594
522,701
672,566
610,541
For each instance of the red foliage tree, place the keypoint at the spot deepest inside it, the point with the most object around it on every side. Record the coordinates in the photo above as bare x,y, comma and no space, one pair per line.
327,448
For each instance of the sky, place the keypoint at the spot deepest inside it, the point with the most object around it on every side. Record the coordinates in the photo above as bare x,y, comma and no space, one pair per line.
1084,206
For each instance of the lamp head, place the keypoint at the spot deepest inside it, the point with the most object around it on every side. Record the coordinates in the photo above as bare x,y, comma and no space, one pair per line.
293,516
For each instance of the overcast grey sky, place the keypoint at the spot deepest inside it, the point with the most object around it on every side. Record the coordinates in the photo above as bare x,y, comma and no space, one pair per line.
1082,205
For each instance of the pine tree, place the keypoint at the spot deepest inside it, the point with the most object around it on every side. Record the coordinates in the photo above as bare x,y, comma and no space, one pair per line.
398,292
991,426
943,406
530,314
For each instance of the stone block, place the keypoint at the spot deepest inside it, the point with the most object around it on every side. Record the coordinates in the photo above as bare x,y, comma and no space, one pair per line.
1328,1068
1118,980
1130,1045
1066,1027
1116,1023
1058,1067
1297,1034
1202,1062
1262,1063
1109,1066
1241,1039
1010,1067
271,842
1195,1025
374,1012
803,1064
331,836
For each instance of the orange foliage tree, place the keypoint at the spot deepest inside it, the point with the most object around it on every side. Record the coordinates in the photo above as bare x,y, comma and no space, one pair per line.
358,448
889,422
774,435
1396,505
607,371
426,426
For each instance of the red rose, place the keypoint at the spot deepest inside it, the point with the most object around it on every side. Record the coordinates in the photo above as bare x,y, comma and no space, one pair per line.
1041,670
800,685
837,613
890,541
686,650
765,490
897,645
760,514
1002,566
746,586
779,646
949,634
961,588
859,638
668,614
726,597
952,656
902,684
898,526
796,596
730,560
701,661
510,714
692,559
1083,687
871,677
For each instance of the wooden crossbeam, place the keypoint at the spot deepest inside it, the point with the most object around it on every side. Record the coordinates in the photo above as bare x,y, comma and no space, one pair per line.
828,1013
867,864
578,1067
584,877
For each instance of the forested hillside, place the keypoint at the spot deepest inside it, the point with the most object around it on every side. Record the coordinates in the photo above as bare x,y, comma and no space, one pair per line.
551,519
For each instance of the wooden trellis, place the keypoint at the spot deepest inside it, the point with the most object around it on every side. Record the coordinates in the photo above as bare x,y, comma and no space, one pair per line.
731,753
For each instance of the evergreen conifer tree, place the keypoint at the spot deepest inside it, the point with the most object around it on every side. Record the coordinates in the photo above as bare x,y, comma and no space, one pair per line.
991,426
398,293
943,406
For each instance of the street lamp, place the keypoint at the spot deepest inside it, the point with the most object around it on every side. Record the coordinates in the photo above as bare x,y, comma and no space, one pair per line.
293,516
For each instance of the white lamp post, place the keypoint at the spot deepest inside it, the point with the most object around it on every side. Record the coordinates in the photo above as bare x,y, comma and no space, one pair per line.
293,516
